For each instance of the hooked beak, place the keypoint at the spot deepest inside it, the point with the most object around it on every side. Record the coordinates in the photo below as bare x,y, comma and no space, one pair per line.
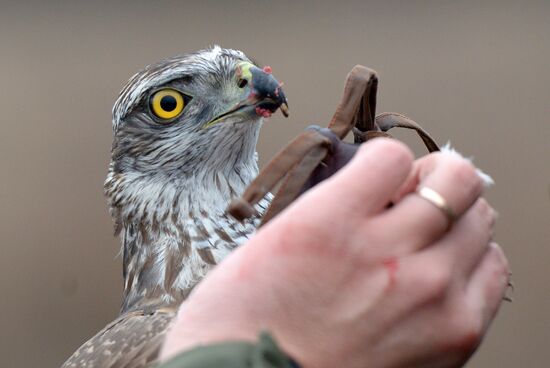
264,96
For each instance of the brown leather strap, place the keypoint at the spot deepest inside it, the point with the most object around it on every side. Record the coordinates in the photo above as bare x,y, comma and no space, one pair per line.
293,160
358,104
298,163
276,169
388,120
357,107
295,180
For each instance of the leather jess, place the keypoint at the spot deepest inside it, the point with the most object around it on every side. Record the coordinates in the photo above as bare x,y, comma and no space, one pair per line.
318,153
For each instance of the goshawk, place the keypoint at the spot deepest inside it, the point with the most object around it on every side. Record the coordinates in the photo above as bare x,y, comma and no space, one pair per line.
185,133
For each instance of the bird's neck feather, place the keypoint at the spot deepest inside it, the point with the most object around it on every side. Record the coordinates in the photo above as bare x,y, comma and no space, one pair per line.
174,231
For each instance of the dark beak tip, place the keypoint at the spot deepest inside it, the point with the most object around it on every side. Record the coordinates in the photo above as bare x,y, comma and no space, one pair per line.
284,108
266,86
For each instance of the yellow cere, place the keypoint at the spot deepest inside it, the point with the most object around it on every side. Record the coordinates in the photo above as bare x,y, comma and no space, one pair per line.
167,103
244,70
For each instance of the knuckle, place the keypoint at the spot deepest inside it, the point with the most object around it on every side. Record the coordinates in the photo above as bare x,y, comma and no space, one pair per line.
485,212
395,150
468,330
484,206
401,152
503,264
437,281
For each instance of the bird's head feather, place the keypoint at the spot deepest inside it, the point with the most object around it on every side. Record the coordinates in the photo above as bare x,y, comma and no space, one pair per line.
199,156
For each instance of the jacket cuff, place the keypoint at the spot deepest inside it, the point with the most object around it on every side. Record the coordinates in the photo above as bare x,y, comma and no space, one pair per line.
235,354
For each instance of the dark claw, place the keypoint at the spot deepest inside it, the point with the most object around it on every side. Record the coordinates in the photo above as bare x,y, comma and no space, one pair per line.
509,286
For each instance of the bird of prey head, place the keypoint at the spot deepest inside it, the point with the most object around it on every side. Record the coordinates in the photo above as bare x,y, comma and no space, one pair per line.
185,133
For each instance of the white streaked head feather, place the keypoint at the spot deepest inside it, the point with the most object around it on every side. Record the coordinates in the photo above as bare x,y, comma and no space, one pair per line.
141,82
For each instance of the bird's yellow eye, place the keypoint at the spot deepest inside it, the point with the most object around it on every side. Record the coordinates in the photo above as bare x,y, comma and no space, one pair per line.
167,104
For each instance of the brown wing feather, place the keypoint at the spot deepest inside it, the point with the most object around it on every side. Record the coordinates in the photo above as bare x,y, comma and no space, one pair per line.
131,341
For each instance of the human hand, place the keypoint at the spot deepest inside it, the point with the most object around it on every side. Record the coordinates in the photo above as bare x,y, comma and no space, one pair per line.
343,281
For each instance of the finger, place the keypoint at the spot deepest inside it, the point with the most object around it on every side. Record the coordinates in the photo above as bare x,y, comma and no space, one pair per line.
416,221
488,283
416,279
420,169
463,248
424,165
452,258
367,184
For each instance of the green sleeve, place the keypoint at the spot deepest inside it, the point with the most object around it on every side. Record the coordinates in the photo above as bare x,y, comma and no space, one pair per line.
263,354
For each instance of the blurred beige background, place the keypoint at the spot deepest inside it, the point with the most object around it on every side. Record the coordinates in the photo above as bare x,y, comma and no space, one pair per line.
477,73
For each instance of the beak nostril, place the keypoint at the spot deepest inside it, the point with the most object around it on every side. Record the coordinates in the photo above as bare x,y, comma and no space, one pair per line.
242,83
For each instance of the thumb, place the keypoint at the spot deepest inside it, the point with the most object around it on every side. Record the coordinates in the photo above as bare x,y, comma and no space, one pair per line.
366,184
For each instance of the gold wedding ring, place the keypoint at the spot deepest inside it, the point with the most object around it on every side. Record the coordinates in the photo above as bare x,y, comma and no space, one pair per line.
437,200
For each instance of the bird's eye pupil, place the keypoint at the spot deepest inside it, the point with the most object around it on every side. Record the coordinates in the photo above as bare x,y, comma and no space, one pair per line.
168,103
